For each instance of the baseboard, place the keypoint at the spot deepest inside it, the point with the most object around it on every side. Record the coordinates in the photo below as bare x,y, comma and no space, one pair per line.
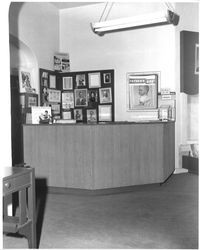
180,171
105,191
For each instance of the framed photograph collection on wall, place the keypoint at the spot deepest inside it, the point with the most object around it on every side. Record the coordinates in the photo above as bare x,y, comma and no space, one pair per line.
86,96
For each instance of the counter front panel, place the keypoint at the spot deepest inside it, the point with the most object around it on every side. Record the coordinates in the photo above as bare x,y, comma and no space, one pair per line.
100,156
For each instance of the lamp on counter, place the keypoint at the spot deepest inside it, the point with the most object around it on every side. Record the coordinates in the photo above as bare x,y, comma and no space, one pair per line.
140,21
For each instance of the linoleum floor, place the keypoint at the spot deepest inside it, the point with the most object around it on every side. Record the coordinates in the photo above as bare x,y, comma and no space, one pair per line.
155,217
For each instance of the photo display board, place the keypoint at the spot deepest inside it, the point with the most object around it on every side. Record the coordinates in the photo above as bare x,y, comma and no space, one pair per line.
86,96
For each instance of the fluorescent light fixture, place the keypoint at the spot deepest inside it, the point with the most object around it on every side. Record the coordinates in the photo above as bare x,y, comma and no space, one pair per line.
151,19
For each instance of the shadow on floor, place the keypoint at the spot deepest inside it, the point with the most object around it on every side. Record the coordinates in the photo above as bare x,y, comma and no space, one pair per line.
41,196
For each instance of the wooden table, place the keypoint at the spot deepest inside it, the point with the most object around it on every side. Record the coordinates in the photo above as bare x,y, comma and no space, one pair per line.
20,180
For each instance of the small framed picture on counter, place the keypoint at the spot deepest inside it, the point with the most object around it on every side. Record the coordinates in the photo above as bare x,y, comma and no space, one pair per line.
105,113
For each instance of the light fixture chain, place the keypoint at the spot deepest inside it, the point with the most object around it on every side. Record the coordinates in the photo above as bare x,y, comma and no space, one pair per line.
105,9
109,11
169,6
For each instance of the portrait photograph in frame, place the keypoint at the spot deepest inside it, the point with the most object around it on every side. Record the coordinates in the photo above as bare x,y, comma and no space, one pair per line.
81,97
105,95
94,80
78,114
91,116
105,113
54,95
80,80
107,78
67,100
67,82
55,108
25,80
41,115
44,79
92,97
52,81
142,91
32,100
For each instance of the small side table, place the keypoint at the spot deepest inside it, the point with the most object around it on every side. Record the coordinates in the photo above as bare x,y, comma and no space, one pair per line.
22,181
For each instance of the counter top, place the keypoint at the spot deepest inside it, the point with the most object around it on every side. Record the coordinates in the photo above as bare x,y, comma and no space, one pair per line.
102,123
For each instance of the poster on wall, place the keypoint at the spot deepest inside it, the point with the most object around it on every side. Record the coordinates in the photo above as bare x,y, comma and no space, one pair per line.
25,80
61,62
142,92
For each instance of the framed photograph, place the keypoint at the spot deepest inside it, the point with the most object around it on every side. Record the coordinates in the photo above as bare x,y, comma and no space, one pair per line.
28,100
67,83
105,113
196,71
78,114
81,97
44,79
66,115
22,101
142,92
55,108
61,62
25,80
45,96
32,101
67,100
52,81
54,95
94,80
92,97
91,116
80,80
41,115
105,95
107,78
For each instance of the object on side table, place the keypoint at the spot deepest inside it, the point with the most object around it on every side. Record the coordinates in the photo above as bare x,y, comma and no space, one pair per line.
191,163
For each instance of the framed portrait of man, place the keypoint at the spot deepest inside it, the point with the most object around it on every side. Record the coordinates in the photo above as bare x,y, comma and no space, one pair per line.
105,95
80,80
80,97
107,78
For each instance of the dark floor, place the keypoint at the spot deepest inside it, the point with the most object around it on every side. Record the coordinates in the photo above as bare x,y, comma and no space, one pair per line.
150,217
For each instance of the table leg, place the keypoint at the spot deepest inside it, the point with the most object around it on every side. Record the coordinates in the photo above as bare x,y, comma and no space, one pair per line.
31,211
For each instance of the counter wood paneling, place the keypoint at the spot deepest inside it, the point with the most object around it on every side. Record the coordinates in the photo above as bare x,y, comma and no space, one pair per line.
100,156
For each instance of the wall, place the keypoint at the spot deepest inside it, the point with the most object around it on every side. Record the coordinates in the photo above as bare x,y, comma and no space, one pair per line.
36,25
187,107
150,49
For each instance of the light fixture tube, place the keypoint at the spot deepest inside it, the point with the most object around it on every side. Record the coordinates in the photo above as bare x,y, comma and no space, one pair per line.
151,19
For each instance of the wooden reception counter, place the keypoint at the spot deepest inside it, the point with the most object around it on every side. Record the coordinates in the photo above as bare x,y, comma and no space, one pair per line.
102,155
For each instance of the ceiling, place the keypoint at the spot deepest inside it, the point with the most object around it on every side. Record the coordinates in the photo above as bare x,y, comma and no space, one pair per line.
67,5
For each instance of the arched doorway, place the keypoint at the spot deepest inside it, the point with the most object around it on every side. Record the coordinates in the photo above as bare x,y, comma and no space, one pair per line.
21,56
